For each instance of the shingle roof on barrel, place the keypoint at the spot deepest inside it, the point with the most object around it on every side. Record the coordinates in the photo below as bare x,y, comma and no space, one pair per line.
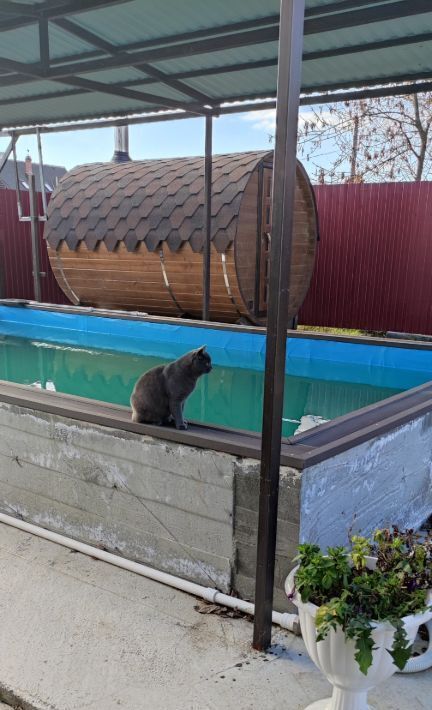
152,201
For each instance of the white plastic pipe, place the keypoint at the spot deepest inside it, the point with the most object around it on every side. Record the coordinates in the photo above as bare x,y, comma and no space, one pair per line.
286,621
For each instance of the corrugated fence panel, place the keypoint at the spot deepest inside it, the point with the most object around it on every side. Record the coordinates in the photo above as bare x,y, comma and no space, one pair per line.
16,280
374,264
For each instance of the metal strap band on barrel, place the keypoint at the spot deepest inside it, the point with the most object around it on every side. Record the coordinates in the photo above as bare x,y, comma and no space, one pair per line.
227,283
75,298
167,283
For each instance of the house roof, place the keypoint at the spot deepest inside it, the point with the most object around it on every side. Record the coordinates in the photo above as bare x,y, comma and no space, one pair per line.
149,201
64,60
51,173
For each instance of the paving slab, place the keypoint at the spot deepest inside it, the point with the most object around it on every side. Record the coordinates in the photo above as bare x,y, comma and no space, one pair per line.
80,634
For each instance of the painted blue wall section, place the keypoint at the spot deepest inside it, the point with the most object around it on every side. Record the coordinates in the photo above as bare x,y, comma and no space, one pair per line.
138,337
381,365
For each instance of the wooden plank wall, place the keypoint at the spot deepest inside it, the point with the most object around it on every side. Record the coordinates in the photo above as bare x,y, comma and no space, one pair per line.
374,264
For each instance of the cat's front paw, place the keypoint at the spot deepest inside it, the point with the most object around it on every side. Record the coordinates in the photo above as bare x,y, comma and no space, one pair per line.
182,425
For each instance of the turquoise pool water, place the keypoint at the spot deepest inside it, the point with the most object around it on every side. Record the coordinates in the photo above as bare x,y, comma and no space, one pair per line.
102,356
230,396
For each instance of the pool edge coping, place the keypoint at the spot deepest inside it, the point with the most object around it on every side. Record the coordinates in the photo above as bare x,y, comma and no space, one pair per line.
299,452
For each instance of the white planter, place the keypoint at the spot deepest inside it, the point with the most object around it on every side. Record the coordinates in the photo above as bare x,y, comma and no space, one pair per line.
334,655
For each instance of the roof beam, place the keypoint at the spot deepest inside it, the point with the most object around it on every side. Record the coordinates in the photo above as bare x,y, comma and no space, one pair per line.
247,106
44,45
183,49
114,51
364,83
14,79
376,92
231,28
36,72
367,15
331,17
245,38
336,7
57,9
61,8
15,8
232,68
368,46
50,9
139,82
116,90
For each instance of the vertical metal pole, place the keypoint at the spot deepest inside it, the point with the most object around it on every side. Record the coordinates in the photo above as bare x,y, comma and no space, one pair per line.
207,216
34,223
17,187
284,173
41,175
258,246
6,153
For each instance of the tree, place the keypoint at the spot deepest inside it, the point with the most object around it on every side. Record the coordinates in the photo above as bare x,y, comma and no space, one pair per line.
369,140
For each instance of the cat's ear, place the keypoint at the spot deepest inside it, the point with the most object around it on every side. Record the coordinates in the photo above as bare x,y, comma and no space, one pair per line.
201,350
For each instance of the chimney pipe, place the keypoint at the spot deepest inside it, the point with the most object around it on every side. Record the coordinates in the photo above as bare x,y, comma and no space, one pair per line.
121,144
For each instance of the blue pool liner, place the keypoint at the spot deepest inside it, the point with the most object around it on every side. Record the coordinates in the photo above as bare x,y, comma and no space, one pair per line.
315,358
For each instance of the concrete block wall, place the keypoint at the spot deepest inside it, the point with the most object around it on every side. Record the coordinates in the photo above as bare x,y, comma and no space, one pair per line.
163,504
194,512
384,481
246,482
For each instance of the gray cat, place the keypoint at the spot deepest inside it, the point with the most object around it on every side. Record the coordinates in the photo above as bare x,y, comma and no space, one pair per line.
159,395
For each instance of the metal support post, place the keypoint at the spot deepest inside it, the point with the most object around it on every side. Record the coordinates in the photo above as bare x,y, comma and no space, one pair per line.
5,155
41,174
17,185
207,217
34,223
284,173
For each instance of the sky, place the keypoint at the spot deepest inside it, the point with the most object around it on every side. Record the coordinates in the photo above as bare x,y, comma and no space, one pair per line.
231,133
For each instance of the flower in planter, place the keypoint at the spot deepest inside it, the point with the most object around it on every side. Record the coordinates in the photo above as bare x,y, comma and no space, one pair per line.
380,580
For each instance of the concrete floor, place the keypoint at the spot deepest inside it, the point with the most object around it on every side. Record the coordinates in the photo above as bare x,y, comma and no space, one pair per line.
79,634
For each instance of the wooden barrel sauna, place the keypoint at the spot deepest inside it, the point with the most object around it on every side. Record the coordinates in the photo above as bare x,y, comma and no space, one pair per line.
130,236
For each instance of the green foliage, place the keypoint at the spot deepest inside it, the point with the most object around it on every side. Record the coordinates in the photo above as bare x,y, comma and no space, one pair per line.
353,597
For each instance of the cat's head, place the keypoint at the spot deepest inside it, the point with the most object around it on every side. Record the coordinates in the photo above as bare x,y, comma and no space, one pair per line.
201,361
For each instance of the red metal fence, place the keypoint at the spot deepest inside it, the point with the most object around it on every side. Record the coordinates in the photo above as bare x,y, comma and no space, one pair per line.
373,271
16,280
374,265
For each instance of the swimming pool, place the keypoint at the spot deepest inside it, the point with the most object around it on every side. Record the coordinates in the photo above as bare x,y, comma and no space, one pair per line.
101,358
77,466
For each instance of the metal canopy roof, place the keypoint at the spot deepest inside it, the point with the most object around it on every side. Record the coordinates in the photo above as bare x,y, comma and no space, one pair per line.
61,61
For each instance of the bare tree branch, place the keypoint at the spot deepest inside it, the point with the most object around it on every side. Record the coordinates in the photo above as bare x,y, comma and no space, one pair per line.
385,138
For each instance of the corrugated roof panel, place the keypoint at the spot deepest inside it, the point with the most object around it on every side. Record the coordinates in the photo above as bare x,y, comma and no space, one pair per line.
116,76
253,82
151,20
142,21
370,32
221,58
22,44
71,107
322,3
331,71
161,90
37,87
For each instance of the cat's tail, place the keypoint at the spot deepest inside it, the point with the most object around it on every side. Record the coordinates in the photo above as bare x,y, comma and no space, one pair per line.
135,415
